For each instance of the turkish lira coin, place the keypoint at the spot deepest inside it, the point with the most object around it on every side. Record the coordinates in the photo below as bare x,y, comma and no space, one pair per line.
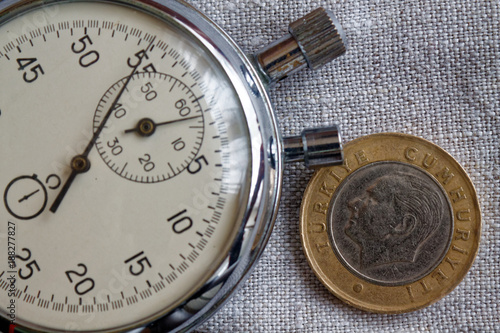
393,229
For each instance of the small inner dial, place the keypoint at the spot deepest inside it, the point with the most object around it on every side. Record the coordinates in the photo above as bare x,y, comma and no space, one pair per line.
154,131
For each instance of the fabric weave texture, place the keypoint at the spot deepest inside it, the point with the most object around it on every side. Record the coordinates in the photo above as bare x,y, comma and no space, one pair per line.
426,68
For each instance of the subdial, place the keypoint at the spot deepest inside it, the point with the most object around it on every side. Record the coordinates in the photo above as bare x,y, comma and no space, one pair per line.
25,197
154,132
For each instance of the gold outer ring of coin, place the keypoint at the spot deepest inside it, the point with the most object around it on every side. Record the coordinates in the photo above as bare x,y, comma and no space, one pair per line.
464,237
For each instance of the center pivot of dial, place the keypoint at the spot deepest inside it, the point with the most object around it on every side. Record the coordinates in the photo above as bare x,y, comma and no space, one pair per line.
80,164
146,127
155,130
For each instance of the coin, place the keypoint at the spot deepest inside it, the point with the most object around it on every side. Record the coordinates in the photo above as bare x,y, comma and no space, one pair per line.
393,229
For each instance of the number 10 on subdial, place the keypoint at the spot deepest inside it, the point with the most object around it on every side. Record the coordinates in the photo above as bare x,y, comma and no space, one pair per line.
155,131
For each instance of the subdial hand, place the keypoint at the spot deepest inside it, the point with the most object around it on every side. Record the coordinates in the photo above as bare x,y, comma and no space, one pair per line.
81,163
26,197
147,127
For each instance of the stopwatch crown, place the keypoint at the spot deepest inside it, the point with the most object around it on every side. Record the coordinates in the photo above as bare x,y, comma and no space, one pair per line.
312,41
319,36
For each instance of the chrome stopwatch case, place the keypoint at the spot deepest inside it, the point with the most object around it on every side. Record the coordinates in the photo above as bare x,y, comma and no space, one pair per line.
141,162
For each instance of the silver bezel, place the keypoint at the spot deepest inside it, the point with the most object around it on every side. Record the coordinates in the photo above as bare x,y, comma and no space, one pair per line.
266,160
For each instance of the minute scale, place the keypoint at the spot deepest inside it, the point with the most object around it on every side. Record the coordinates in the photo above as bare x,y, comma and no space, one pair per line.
167,124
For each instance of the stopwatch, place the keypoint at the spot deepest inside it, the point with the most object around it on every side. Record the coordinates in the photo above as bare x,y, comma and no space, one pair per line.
141,160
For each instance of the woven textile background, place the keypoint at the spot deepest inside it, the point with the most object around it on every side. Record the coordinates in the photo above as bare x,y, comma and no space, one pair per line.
427,68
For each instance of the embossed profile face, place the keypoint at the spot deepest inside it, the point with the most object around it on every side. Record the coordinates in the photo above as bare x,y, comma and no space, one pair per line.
390,223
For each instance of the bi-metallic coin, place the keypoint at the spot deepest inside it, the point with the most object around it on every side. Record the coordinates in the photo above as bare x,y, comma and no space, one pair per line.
393,229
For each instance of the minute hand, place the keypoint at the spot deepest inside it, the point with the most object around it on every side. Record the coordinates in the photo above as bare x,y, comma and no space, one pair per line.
80,163
146,126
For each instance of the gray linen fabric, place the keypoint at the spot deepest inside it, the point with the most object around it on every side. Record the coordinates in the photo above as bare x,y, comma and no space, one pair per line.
429,69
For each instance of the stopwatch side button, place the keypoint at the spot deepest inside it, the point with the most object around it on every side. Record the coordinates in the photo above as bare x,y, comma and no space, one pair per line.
313,41
316,147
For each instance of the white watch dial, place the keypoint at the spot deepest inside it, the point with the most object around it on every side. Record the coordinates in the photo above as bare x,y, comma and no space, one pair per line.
150,214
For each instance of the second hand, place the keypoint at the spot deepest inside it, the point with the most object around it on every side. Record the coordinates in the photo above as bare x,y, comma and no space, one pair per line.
81,163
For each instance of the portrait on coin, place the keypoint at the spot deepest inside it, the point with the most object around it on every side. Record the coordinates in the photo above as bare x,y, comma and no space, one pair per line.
393,218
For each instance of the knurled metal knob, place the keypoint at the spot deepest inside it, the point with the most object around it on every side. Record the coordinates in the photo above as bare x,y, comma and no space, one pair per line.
319,36
313,41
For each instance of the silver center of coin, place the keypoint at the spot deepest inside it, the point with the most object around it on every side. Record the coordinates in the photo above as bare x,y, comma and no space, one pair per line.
390,223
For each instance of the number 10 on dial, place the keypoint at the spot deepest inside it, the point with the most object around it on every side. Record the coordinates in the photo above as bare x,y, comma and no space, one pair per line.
146,144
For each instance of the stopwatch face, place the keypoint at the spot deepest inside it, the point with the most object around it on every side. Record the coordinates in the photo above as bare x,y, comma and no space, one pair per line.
125,168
